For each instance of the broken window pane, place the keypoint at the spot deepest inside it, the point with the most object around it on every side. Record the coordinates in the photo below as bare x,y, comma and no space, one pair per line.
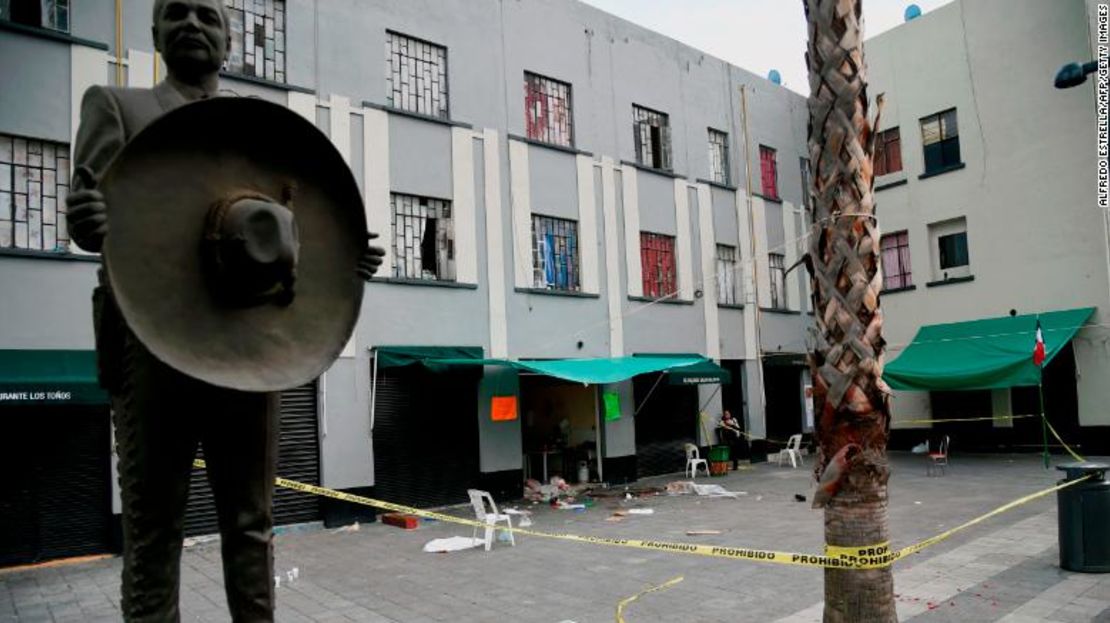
653,137
555,253
423,238
257,32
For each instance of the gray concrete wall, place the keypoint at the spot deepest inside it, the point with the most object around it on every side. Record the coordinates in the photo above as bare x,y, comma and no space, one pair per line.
47,304
34,101
499,443
620,435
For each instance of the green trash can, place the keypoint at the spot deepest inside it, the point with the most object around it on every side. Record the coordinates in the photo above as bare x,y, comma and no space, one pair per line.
718,460
1084,518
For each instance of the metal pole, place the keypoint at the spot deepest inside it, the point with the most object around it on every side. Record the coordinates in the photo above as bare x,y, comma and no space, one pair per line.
373,389
1044,419
752,246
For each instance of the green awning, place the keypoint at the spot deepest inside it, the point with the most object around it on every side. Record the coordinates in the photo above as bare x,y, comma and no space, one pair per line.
701,373
992,353
396,356
587,371
48,377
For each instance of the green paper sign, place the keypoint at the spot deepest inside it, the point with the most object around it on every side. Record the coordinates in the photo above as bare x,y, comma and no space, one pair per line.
612,406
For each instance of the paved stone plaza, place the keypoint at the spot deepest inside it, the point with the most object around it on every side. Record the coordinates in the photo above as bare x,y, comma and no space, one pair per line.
1003,570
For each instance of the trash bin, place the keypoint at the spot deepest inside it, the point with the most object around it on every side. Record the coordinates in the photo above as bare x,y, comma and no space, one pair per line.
718,460
1084,518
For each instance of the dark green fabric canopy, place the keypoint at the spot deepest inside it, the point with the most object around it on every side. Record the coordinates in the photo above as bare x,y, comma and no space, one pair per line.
701,373
587,371
992,353
396,356
41,377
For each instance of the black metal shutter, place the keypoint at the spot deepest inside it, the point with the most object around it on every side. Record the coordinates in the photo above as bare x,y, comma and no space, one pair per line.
425,436
667,421
298,459
57,501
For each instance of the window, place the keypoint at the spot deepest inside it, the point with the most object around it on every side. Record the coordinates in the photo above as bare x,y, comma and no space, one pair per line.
777,263
941,140
417,75
952,250
726,274
657,265
257,38
555,253
888,152
718,156
52,14
769,172
896,261
34,180
423,238
652,132
949,249
547,110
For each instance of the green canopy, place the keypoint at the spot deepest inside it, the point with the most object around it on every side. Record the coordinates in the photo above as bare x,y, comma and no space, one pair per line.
40,377
586,371
991,353
701,373
396,356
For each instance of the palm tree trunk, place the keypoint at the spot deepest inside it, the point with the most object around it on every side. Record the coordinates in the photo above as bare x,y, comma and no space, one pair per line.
850,398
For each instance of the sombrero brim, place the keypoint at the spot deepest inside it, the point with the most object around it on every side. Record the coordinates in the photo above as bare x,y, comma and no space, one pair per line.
158,191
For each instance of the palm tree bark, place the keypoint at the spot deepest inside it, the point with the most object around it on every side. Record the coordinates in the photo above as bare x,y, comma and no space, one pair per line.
848,392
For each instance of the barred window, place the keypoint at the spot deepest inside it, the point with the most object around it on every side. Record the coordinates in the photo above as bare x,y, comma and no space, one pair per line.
726,274
657,264
555,253
652,132
896,260
769,171
257,38
34,181
423,238
547,110
777,263
718,156
416,71
52,14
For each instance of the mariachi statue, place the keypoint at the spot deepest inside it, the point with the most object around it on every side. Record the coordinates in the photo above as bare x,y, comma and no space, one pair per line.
234,251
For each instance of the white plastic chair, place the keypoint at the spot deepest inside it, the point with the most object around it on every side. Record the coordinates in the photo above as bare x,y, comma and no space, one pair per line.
693,459
938,459
488,515
792,451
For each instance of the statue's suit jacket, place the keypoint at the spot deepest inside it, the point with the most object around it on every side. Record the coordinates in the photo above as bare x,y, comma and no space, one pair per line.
110,117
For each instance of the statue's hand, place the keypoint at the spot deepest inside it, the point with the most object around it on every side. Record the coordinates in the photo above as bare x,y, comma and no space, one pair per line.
371,259
87,216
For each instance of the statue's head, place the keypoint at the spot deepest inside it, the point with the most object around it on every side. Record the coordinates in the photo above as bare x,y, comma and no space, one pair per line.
193,36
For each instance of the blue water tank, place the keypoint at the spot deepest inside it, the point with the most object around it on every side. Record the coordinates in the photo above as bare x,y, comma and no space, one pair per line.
912,12
774,76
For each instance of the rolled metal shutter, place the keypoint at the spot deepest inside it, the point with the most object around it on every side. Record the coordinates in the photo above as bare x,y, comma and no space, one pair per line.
298,459
425,436
667,421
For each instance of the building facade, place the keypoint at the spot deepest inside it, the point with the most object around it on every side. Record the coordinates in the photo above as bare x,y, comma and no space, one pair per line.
550,182
986,195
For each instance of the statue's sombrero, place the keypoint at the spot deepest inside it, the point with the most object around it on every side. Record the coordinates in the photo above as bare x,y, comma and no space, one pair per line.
235,228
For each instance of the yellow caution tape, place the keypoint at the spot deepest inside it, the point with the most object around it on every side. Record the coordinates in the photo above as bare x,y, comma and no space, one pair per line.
1062,442
624,602
965,419
838,557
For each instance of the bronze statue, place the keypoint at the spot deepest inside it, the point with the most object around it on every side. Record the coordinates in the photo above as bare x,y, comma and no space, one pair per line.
161,414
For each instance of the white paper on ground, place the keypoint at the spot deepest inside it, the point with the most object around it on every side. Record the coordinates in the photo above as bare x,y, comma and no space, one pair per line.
452,544
641,511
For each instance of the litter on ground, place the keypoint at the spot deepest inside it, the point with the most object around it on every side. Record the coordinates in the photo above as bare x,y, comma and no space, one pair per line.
451,544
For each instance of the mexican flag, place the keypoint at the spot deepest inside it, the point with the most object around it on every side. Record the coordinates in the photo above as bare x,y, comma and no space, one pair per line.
1038,347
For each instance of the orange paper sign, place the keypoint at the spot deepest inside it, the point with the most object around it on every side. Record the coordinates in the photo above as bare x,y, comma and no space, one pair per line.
503,408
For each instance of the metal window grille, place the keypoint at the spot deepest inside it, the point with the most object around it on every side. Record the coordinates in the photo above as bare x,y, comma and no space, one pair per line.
257,38
888,152
555,253
657,264
34,181
769,171
896,260
727,276
652,132
940,140
547,110
718,156
777,263
52,14
423,238
417,75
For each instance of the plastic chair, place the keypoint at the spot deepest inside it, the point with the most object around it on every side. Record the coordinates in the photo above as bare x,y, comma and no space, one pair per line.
938,459
792,451
693,459
488,515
